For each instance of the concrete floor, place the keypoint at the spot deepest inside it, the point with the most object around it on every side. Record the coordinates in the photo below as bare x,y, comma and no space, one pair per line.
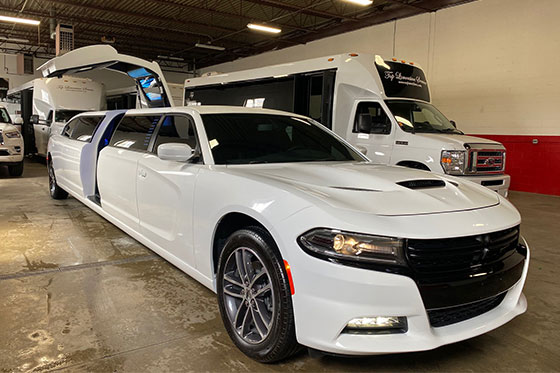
78,294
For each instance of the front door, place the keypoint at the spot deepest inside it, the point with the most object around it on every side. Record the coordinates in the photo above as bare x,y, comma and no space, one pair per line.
165,190
118,167
372,131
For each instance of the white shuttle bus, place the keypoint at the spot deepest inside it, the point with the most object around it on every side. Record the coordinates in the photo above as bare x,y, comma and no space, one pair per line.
383,107
48,103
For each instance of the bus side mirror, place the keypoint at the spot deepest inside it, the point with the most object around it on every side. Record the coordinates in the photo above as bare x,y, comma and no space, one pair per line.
453,123
364,123
34,119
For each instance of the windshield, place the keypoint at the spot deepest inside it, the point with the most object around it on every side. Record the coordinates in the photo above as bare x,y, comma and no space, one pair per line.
4,116
268,138
414,116
64,116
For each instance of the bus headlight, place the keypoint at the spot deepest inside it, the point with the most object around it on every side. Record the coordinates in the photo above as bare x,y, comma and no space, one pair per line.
336,244
453,161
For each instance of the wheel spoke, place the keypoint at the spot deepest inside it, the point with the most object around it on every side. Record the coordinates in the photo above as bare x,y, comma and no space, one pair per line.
232,281
257,276
263,290
240,266
257,324
233,294
241,314
247,268
262,312
244,324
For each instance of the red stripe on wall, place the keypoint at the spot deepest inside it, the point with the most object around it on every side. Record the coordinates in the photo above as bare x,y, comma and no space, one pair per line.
533,167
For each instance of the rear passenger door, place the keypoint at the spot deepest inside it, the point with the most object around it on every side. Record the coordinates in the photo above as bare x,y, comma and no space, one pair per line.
166,189
80,135
118,166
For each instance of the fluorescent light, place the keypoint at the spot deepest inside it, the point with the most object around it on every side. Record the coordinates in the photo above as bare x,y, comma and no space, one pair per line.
20,20
14,40
264,28
209,46
171,58
361,2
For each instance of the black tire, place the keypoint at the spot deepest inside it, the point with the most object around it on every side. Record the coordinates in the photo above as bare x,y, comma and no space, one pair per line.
267,266
55,191
16,170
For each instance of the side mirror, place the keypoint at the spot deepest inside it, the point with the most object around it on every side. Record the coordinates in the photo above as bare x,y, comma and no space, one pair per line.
175,152
364,123
18,120
34,119
453,123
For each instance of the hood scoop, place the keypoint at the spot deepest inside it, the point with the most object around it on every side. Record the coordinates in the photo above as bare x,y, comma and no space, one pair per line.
422,183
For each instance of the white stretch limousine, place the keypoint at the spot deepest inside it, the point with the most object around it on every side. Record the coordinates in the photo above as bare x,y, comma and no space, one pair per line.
303,239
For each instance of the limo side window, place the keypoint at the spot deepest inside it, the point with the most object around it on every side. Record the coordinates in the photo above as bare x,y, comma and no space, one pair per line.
135,132
85,127
67,131
177,129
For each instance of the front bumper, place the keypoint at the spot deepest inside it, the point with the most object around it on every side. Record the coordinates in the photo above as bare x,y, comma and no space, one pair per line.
497,183
11,150
328,295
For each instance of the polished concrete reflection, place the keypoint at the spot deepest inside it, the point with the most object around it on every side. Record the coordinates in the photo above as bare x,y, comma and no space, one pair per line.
77,293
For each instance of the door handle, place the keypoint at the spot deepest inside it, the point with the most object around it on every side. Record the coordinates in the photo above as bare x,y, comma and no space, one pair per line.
142,173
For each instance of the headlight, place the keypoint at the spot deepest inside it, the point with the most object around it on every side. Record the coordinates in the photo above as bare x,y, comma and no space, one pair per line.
12,135
453,161
335,244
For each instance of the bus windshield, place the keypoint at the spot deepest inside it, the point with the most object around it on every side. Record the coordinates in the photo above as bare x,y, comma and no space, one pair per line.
415,116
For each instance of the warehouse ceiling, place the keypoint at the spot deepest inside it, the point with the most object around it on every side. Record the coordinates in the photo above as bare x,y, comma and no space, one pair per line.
171,28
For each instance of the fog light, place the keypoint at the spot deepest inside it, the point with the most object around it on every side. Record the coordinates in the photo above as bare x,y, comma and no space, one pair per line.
377,324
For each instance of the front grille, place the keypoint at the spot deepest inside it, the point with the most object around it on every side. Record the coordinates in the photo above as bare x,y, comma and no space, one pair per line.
485,161
1,138
4,152
451,315
450,259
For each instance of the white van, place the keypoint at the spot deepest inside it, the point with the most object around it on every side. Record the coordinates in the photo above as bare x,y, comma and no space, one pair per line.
382,107
50,102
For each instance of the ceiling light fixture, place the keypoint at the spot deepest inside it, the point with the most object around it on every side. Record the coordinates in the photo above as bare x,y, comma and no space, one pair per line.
25,21
210,46
13,40
273,30
360,2
171,58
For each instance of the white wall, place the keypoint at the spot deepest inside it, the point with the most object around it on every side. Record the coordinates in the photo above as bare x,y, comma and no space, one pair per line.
492,64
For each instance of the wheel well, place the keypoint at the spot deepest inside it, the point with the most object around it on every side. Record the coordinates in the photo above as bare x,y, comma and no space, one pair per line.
414,164
229,223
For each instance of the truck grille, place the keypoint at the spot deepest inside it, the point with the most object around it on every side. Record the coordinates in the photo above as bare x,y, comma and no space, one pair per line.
452,258
451,315
1,138
485,159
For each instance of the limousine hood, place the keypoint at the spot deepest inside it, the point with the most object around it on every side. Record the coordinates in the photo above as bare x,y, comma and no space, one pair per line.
377,189
6,127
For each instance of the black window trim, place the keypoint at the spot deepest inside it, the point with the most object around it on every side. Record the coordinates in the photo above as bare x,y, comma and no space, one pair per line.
158,126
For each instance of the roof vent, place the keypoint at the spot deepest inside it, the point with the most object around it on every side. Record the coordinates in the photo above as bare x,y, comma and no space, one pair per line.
422,184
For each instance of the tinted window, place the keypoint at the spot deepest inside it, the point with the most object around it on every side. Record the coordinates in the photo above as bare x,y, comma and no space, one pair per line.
265,138
4,116
373,118
85,127
134,132
402,80
176,128
67,131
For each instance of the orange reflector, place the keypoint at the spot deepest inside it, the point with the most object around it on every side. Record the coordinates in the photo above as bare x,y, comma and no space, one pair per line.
331,59
446,160
403,61
290,280
412,63
394,59
353,55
